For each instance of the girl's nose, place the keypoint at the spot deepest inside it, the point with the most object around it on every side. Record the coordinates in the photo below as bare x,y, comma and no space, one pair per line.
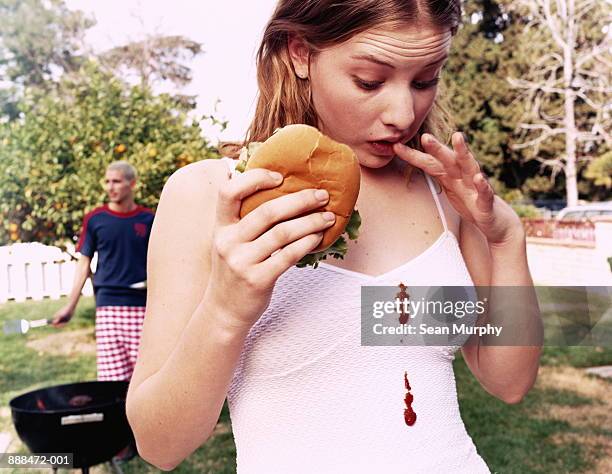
399,112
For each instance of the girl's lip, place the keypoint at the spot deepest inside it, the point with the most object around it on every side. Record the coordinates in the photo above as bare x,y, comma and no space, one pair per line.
382,148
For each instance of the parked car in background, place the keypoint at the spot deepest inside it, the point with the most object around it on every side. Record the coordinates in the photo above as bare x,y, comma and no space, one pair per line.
575,222
585,211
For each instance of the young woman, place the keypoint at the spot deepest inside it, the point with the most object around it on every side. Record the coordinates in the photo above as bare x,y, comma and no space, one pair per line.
228,313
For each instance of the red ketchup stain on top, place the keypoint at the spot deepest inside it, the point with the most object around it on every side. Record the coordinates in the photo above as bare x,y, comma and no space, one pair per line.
403,295
409,414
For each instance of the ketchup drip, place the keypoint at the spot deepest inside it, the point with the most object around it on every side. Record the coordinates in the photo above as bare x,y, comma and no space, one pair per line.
409,414
403,295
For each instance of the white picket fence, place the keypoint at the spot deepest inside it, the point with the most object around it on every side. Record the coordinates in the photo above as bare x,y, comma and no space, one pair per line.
35,271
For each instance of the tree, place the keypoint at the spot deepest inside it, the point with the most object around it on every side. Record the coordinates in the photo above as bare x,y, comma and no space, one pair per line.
52,158
568,87
156,58
483,103
39,41
490,46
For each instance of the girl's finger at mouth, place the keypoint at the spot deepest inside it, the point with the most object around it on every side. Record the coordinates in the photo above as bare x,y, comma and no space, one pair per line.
445,155
428,163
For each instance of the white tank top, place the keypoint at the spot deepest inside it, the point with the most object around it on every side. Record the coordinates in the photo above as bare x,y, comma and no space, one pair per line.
306,397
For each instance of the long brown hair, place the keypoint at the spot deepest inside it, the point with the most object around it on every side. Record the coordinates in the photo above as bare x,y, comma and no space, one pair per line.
285,99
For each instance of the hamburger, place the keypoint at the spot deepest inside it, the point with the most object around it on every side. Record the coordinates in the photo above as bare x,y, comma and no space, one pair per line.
308,159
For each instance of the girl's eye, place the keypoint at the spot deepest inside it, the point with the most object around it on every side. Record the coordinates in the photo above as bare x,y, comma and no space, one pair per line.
419,85
426,84
368,86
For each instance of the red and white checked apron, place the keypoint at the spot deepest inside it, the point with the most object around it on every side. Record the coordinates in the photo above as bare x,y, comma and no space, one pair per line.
118,330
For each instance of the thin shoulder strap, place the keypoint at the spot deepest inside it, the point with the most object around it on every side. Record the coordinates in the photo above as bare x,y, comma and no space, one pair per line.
437,199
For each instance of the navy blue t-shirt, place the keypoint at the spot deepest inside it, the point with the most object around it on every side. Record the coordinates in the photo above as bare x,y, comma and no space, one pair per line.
121,240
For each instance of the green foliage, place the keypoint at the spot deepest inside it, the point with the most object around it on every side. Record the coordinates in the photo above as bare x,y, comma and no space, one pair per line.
38,36
473,86
483,104
600,170
52,159
339,248
586,86
517,200
154,59
39,40
526,210
485,53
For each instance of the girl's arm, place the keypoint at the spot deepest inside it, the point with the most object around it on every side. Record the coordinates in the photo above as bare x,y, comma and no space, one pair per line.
507,372
210,276
493,245
188,352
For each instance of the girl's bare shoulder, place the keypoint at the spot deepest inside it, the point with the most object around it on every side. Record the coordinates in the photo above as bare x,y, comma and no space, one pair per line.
198,179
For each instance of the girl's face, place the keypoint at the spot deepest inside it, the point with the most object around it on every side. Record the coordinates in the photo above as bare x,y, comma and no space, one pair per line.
379,85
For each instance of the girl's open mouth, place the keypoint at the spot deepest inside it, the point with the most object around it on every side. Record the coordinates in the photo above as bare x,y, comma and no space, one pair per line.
382,148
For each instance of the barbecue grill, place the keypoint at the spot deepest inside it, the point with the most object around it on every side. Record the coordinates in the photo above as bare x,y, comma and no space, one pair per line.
87,419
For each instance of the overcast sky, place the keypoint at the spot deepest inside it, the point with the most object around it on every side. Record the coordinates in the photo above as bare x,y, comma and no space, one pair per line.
229,30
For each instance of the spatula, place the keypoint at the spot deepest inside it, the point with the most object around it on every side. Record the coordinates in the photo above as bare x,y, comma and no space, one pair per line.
21,326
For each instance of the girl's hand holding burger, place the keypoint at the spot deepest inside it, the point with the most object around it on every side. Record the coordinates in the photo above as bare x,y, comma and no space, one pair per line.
248,255
466,187
272,216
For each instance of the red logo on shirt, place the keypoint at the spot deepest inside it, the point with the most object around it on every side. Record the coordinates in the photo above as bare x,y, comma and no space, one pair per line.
140,229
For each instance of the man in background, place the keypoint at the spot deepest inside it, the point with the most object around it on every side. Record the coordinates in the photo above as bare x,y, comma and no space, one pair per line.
119,231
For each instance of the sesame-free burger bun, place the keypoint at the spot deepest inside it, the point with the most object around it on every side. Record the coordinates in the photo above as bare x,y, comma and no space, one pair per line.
308,159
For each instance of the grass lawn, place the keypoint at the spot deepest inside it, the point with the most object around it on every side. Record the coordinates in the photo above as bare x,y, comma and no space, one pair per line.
564,425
